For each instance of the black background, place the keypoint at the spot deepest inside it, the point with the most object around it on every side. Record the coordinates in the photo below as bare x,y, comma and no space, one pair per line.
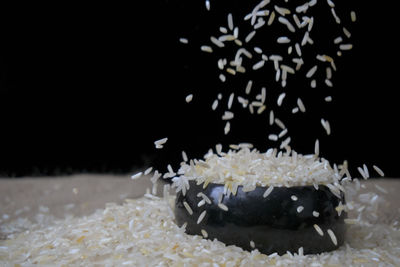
89,88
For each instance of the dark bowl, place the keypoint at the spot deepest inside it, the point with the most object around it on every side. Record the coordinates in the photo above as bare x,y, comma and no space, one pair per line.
272,223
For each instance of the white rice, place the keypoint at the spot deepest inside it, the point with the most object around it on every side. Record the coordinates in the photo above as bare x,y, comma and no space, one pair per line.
222,206
328,83
189,98
315,213
184,156
280,123
216,42
271,18
311,72
228,115
137,175
338,40
318,229
353,16
286,22
207,3
148,170
188,208
204,233
214,104
201,216
230,21
249,36
222,77
299,209
337,19
258,65
268,191
183,40
257,50
326,126
206,48
280,99
283,133
332,236
283,40
273,137
271,117
301,105
378,170
160,143
346,32
345,46
227,128
294,198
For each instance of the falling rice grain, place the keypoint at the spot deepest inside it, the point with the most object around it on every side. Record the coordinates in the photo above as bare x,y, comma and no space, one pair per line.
301,106
258,65
268,191
271,117
345,46
315,213
230,21
204,233
189,98
187,207
271,18
159,143
214,104
227,128
279,123
332,236
222,206
248,87
283,40
300,209
311,72
207,3
318,229
137,175
378,170
326,126
206,48
201,217
249,36
273,137
280,99
183,40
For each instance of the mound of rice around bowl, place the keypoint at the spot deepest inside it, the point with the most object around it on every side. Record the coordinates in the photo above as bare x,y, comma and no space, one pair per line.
244,166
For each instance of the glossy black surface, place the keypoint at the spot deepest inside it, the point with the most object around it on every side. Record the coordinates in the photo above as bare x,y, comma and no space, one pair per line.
272,223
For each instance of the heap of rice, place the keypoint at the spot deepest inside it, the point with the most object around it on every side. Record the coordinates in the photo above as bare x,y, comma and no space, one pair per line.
142,232
247,167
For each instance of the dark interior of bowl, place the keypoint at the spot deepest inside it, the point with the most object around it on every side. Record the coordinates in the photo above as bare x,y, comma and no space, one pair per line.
273,223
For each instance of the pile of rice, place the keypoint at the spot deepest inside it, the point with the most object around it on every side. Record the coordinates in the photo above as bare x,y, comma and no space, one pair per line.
247,167
142,232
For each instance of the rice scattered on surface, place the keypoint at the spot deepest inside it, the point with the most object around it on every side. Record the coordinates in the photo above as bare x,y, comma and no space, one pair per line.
142,232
